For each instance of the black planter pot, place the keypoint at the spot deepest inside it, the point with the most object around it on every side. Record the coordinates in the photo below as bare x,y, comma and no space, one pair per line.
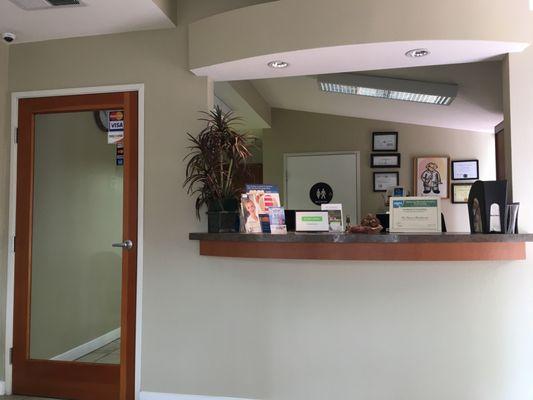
223,216
222,221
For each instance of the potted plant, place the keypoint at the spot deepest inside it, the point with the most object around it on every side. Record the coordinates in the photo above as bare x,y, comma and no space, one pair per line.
217,158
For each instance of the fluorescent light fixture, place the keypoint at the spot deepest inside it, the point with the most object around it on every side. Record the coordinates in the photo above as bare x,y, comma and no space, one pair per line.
441,94
29,5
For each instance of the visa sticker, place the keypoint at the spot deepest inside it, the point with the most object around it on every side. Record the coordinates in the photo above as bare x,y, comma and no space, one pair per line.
116,121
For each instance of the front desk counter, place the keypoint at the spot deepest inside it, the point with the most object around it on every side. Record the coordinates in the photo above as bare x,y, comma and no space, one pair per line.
383,246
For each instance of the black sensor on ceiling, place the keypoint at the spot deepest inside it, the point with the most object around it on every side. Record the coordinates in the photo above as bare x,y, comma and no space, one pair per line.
57,3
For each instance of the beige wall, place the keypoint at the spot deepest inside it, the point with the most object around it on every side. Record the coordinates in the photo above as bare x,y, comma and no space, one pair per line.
4,186
295,131
288,330
77,216
519,123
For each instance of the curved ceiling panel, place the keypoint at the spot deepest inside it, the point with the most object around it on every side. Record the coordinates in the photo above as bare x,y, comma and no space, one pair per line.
316,36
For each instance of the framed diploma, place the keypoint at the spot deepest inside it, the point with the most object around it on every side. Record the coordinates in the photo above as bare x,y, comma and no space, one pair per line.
415,215
465,170
391,160
385,141
460,192
384,180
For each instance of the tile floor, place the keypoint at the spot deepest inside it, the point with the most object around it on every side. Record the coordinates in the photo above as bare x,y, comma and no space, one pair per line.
109,354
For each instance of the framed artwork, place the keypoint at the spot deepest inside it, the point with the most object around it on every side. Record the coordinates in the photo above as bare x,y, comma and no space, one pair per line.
432,176
460,192
465,170
385,180
389,160
385,141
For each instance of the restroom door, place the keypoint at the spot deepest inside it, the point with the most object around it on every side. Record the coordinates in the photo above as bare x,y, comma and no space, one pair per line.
76,247
338,170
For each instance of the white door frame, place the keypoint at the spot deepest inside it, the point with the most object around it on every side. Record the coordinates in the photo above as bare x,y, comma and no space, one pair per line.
15,97
328,153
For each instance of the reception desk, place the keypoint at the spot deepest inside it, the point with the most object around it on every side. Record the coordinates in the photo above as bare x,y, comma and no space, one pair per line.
341,246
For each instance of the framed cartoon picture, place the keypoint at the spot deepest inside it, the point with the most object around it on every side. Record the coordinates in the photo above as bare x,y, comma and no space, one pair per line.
432,176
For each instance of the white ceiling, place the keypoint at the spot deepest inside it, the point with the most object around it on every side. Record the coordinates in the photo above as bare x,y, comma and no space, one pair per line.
478,106
95,18
360,57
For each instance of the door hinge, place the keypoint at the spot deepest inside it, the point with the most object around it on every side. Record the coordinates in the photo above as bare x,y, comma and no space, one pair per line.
16,135
11,356
14,243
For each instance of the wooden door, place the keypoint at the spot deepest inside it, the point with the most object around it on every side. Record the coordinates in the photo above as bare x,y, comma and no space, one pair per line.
36,372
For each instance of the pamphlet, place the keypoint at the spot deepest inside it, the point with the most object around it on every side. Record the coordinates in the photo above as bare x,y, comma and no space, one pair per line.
264,219
277,221
255,205
312,221
334,217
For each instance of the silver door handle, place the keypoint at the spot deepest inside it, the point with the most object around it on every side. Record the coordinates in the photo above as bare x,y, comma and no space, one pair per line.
127,245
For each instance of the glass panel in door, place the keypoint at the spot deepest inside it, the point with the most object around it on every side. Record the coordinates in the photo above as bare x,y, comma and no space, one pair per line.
77,216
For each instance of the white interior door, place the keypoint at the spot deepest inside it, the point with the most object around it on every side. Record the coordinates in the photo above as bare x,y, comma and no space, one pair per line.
338,170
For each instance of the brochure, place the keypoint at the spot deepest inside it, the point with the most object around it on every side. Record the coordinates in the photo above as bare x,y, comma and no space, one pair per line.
277,221
312,221
255,204
265,223
335,219
250,222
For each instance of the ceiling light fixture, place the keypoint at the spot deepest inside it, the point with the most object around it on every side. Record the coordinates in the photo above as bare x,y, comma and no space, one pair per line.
278,64
44,4
389,88
418,53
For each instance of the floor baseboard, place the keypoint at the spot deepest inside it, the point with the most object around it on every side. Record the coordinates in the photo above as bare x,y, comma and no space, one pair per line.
89,347
2,388
173,396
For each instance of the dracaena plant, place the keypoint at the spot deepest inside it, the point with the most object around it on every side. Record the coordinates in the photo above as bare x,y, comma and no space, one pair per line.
216,159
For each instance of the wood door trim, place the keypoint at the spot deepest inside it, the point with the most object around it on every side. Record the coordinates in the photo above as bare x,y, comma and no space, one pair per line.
124,374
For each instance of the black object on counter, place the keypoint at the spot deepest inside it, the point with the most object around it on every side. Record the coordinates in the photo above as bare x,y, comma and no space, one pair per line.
486,206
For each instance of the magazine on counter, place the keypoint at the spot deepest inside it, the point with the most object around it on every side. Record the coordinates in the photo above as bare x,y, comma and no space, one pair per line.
277,221
336,223
255,204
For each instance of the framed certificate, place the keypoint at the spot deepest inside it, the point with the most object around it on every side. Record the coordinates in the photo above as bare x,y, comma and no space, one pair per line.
385,180
460,192
385,141
415,215
390,160
465,170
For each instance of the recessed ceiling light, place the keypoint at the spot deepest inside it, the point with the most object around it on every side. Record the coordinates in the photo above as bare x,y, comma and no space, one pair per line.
278,64
417,53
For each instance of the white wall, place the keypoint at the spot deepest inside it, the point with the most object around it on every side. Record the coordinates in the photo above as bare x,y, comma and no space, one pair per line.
297,132
288,330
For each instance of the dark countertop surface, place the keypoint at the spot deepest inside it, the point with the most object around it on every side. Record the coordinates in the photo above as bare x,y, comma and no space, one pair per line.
326,237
